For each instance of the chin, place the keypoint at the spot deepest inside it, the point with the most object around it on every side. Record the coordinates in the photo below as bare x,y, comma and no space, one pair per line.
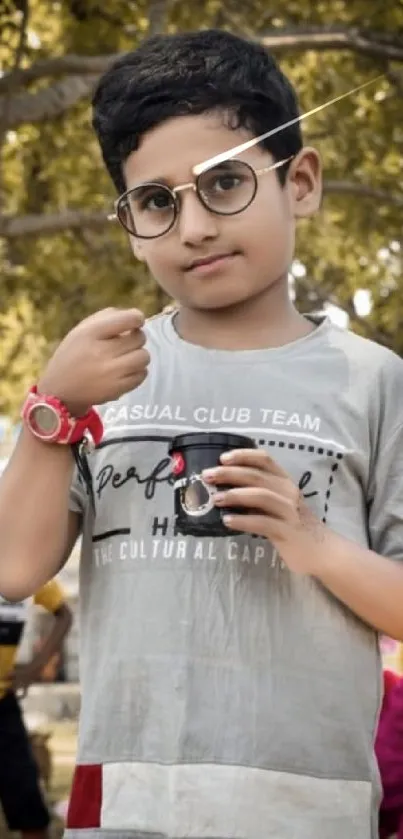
216,303
217,297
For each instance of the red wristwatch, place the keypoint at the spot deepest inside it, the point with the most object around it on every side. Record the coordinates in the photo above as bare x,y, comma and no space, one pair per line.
49,420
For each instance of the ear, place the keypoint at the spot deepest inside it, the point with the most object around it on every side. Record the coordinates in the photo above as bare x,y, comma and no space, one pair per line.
305,182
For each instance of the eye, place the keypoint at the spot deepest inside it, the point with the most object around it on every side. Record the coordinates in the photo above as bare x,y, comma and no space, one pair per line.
150,199
221,181
158,200
225,182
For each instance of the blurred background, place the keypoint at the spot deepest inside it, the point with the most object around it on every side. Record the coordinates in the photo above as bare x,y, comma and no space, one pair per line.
61,260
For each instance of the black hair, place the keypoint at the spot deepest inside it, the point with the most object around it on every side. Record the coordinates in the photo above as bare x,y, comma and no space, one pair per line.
193,73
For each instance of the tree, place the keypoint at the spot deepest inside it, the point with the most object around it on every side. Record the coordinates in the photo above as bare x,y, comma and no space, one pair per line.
59,257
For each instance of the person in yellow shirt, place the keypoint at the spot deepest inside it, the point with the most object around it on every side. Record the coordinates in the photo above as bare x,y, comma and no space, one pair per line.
20,793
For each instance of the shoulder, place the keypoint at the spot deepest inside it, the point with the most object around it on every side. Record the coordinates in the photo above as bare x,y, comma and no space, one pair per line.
364,348
379,364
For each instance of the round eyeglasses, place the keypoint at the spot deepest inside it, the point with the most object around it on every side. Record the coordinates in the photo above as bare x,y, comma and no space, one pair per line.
150,210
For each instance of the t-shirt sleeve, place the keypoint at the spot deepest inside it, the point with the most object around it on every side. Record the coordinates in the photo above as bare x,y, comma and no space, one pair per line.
385,503
51,596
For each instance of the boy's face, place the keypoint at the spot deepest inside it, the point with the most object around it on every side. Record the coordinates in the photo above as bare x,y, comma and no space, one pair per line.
248,252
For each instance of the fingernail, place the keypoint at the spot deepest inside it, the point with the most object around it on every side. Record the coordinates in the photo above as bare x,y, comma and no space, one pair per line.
208,474
219,497
226,456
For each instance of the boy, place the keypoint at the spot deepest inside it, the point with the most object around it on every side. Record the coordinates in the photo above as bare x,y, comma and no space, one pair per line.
20,794
230,687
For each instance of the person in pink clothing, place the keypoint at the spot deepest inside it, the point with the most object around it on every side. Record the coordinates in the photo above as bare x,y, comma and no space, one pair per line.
389,752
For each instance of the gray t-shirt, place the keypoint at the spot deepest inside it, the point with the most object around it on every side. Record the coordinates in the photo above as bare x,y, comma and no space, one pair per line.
222,695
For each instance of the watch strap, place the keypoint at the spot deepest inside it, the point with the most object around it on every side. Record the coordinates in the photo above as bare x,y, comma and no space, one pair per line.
75,428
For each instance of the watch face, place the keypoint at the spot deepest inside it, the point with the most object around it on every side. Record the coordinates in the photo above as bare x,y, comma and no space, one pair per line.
44,420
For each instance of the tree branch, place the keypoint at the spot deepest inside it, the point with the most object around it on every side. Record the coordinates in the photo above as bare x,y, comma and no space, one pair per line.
49,224
62,65
157,14
281,40
334,38
46,104
17,61
362,191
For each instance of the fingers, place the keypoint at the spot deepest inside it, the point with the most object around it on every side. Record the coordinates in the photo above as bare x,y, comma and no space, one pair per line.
252,481
109,323
263,516
255,524
134,380
128,342
132,363
255,459
239,476
131,370
256,499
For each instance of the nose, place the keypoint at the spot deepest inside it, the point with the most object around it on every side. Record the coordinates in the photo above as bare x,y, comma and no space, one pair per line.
196,223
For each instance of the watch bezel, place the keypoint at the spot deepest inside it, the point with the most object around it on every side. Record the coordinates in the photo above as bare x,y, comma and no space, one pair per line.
36,430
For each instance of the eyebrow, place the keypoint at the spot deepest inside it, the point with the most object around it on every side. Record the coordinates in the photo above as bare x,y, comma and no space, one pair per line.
158,181
236,150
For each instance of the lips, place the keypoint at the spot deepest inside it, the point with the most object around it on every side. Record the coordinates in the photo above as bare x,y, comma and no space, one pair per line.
209,260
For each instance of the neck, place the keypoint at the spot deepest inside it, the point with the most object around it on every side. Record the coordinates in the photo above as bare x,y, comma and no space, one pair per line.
267,320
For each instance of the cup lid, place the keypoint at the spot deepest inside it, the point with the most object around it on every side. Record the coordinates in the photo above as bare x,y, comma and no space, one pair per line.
215,439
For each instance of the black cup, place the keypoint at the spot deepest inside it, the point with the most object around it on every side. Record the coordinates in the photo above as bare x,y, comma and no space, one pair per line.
195,513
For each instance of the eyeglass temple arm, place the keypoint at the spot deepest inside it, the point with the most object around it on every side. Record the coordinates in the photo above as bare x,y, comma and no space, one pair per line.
277,164
220,158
